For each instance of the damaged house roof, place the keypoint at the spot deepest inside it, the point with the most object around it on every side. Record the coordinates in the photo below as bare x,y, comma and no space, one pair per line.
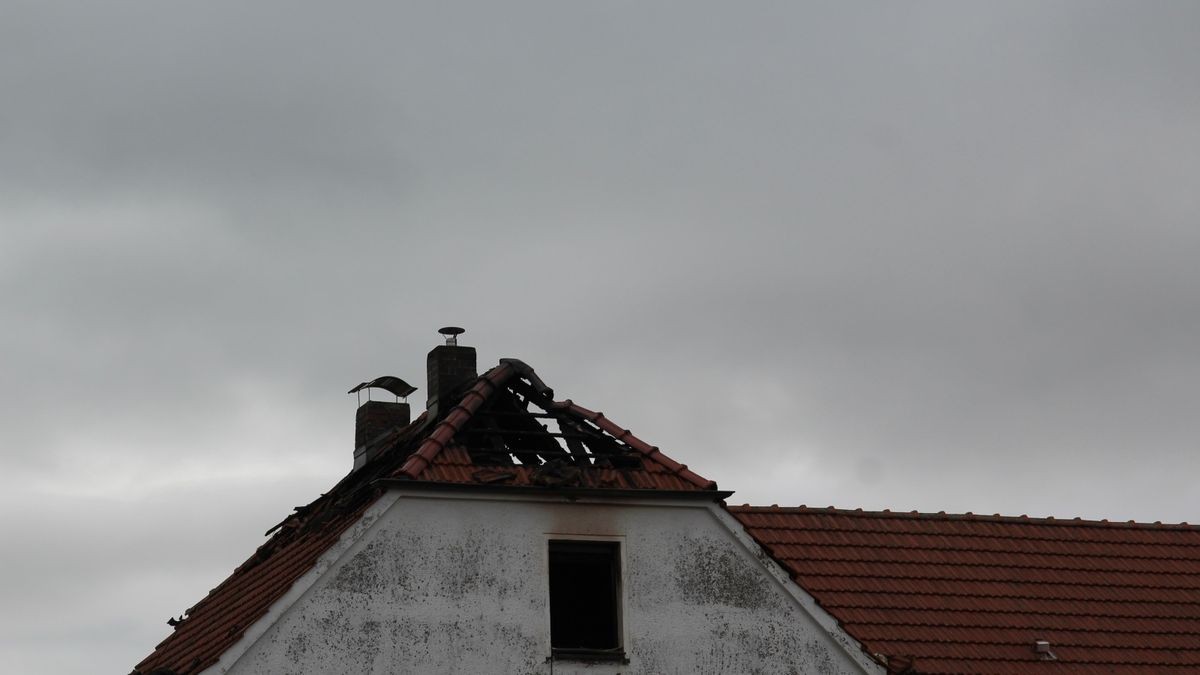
498,434
922,593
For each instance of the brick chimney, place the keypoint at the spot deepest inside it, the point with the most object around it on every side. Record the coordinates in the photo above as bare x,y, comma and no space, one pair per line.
449,366
375,418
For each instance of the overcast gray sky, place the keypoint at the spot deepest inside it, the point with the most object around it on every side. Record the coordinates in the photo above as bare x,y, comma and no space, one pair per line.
935,256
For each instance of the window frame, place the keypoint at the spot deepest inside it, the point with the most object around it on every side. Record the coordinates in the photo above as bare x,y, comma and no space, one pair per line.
618,654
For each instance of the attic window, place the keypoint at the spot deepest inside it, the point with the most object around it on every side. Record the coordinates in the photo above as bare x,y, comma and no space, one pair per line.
585,578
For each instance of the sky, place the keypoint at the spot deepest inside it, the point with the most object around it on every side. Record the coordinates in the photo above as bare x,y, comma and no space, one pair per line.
927,255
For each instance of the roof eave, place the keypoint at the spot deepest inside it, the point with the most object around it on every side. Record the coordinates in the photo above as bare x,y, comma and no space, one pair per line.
569,493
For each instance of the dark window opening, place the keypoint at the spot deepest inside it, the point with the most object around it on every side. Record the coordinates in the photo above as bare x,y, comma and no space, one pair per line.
585,599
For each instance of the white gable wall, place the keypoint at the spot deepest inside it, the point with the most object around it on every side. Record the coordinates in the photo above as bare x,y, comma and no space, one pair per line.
456,582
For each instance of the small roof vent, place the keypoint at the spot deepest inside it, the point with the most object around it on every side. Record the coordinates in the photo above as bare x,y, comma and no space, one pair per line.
1042,649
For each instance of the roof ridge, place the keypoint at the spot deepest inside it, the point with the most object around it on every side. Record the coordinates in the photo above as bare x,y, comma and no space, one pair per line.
915,547
1027,582
968,516
950,563
1003,596
1056,629
875,642
1011,643
1006,537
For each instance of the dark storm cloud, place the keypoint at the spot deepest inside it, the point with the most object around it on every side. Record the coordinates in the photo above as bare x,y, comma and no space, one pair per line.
912,256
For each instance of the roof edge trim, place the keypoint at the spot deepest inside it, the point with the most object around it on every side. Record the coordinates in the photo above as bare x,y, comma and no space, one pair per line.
566,492
968,516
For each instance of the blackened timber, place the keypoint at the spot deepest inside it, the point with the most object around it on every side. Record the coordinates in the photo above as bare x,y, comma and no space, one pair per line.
602,446
523,388
484,444
526,434
521,434
542,416
506,429
577,449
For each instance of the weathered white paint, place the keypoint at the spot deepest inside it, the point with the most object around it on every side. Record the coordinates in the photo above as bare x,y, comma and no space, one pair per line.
454,582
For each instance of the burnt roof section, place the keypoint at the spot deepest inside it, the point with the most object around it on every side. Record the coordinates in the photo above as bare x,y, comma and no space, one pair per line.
972,595
506,424
505,432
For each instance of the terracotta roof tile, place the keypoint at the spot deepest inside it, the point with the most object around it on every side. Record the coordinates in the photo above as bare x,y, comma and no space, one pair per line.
970,594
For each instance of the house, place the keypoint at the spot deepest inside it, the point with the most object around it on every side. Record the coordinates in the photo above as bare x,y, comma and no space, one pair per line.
505,531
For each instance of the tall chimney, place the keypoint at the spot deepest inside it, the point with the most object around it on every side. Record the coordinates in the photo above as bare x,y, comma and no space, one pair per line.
449,367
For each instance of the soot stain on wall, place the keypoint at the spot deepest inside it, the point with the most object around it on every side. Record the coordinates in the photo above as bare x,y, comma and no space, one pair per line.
481,563
707,572
332,635
373,570
361,573
438,645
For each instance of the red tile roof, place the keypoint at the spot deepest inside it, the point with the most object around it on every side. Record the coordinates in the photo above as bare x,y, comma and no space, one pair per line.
441,453
971,594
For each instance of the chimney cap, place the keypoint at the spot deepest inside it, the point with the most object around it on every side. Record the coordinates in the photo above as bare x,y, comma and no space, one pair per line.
389,383
451,334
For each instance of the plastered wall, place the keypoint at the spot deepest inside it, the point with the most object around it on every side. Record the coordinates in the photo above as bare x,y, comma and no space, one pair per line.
457,584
